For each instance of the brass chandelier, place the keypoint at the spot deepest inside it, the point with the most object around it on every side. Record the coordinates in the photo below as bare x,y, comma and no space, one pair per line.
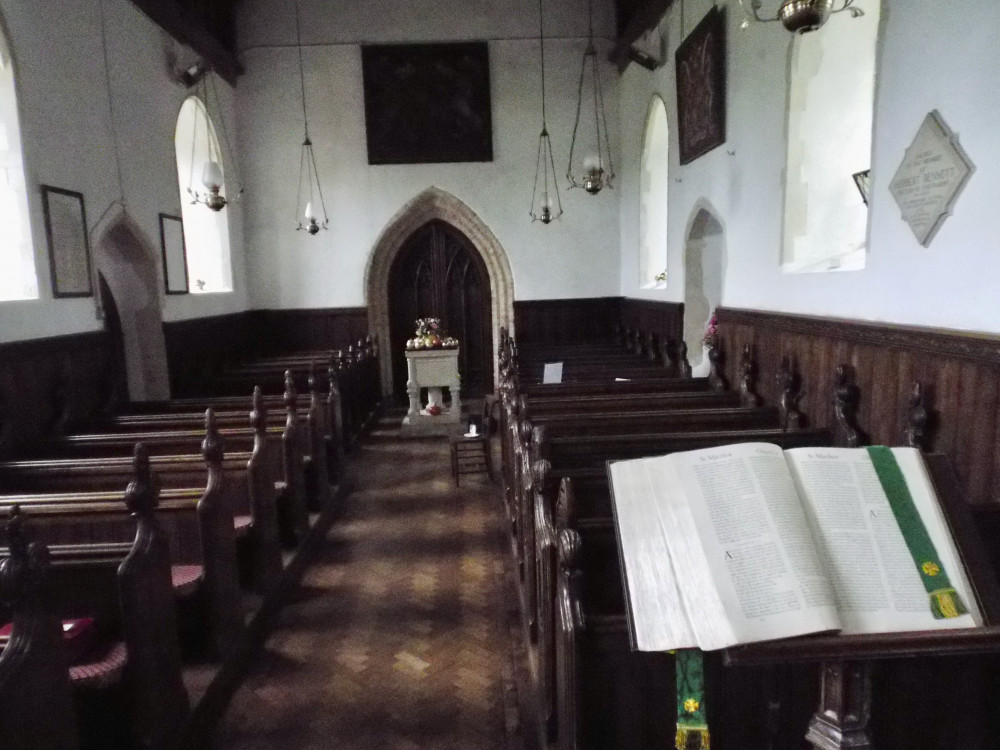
597,170
544,207
798,16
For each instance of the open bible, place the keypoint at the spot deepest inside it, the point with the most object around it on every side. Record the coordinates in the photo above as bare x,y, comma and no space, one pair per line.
745,543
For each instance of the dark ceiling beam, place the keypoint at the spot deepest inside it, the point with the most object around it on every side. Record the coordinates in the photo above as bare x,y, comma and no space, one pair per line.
187,28
646,16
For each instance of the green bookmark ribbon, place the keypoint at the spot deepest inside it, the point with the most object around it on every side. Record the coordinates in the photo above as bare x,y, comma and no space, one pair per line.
945,601
692,729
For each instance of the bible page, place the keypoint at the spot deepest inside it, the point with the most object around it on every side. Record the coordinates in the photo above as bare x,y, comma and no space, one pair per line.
742,548
658,620
873,571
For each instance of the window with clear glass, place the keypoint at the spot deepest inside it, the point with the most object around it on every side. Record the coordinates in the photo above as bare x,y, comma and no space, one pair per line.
18,279
654,182
206,232
831,103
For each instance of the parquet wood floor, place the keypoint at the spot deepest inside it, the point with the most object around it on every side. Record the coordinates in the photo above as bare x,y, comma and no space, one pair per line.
400,637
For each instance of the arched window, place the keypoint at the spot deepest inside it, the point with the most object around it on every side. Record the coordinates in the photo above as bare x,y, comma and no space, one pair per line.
17,258
831,102
206,232
654,182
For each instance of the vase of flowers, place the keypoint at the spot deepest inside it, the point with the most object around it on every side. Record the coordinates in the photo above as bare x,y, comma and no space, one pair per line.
711,337
430,335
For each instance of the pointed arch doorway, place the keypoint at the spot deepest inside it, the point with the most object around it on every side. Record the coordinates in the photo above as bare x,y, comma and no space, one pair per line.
436,205
438,274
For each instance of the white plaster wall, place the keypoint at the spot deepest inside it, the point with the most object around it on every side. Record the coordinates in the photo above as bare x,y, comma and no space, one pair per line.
930,57
68,142
575,257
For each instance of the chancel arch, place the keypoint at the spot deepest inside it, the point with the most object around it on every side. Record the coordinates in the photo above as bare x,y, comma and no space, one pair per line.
429,206
704,276
127,261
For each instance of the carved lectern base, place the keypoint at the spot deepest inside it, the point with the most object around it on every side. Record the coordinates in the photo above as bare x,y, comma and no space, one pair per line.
841,722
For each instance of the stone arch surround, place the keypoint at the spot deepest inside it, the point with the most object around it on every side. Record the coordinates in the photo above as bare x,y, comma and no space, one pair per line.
127,260
431,204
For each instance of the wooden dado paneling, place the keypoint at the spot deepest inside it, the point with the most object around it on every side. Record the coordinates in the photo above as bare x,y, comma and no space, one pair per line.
298,330
53,385
200,348
588,319
665,319
961,372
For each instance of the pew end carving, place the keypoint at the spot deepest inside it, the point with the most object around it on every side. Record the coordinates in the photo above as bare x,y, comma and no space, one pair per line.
153,670
716,359
919,420
789,384
846,397
33,668
748,376
218,543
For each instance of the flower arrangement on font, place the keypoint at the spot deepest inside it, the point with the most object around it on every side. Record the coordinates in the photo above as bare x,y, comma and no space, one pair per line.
430,335
711,337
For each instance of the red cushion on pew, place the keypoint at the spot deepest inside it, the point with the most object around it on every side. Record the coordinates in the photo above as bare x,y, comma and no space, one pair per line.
185,578
77,635
242,524
104,671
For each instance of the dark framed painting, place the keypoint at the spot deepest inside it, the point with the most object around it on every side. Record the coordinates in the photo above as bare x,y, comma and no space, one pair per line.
701,87
69,245
427,103
175,272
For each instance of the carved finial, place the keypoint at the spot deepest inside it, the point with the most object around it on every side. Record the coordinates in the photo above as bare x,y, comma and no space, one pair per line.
846,396
683,366
291,397
788,383
620,334
570,544
20,573
748,372
258,414
17,541
716,380
918,419
525,427
312,377
522,407
566,504
212,448
141,493
668,352
540,469
651,349
539,442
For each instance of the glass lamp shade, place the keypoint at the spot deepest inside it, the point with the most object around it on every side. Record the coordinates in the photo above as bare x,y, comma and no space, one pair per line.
211,176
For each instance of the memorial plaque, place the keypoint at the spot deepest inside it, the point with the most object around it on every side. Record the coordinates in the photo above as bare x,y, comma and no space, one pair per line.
931,177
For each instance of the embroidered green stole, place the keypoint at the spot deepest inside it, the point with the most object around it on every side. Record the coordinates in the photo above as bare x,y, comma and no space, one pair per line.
944,600
692,729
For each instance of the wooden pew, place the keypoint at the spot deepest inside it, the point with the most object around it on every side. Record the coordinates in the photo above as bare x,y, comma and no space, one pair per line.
308,427
293,504
34,672
198,523
249,489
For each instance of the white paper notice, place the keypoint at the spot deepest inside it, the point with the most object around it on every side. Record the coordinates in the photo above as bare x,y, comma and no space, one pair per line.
552,374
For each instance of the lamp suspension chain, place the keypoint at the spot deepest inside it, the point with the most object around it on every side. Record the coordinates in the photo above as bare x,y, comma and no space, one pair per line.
307,161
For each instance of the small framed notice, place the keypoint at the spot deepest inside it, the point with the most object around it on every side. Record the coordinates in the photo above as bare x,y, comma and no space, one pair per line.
175,274
69,248
552,373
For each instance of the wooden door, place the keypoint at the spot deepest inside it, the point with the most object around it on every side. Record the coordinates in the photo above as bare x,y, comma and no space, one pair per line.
439,274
